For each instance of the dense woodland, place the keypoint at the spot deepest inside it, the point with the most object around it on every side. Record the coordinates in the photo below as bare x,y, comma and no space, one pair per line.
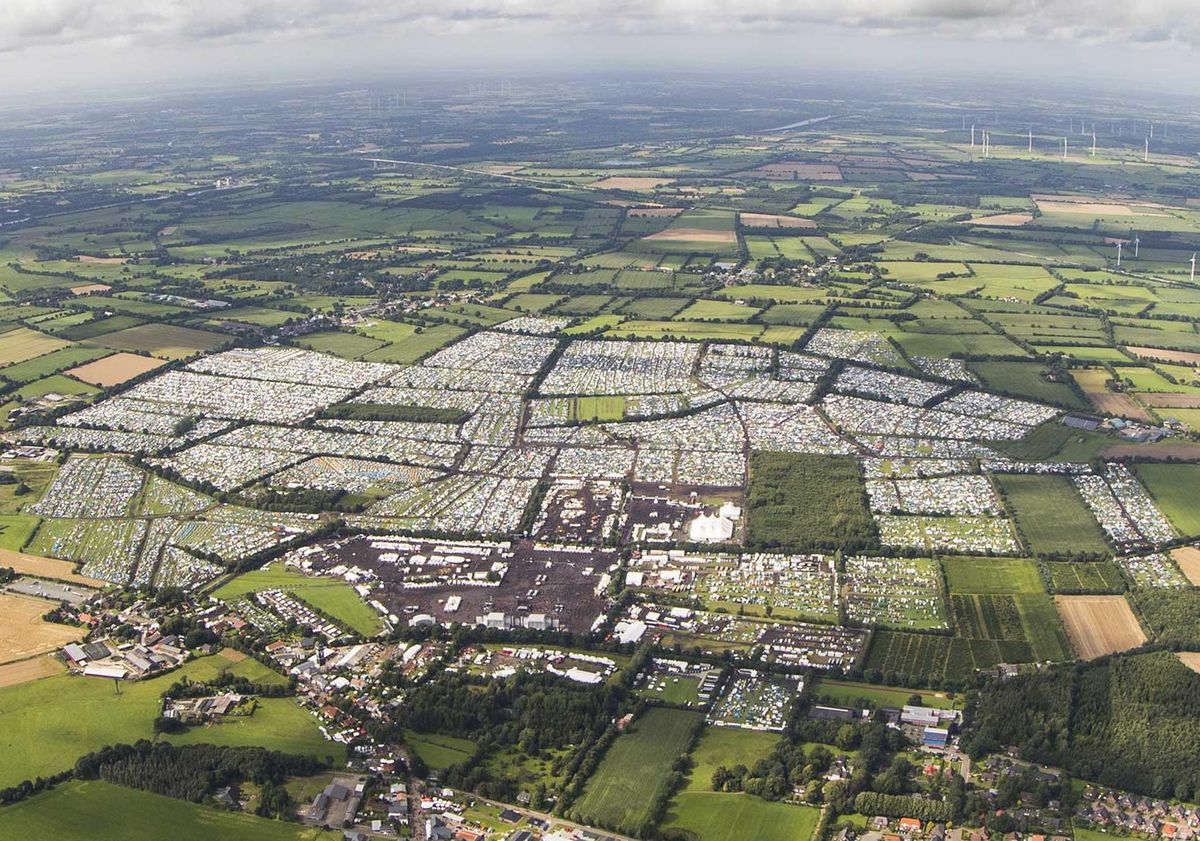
1110,721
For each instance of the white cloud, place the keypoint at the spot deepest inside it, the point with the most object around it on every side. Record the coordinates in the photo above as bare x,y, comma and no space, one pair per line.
29,24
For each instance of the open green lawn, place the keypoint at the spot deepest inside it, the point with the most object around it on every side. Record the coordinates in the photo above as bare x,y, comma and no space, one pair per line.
634,772
437,751
47,724
15,529
1051,515
992,575
280,723
329,595
849,692
719,816
1174,488
93,809
727,746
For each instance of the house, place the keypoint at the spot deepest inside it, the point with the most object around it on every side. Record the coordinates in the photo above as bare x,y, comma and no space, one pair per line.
910,825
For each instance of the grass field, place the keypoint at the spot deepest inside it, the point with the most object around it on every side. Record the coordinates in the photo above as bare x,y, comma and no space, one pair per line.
93,809
1051,515
167,341
598,409
849,692
992,575
329,595
726,746
721,816
437,751
47,724
622,792
1174,488
15,529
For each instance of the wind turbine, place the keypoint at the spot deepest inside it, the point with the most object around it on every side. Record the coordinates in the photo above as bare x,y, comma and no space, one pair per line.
1064,148
1118,255
1193,268
1137,242
1031,139
972,135
1147,158
1093,141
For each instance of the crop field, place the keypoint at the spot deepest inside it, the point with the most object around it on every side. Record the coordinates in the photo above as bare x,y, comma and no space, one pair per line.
45,568
1099,625
634,770
1188,560
23,632
115,369
338,343
34,668
20,344
167,341
1083,577
1051,515
929,656
81,810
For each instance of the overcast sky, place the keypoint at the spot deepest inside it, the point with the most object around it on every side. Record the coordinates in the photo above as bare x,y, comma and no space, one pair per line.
48,43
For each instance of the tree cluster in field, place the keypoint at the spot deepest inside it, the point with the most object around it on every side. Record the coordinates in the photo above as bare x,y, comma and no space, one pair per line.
529,713
1125,722
793,764
194,772
1173,615
808,503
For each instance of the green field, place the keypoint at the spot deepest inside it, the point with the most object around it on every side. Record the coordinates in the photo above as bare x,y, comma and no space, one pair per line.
721,816
992,575
1087,577
1051,515
634,771
726,746
329,595
1174,488
47,724
437,751
93,809
16,529
849,692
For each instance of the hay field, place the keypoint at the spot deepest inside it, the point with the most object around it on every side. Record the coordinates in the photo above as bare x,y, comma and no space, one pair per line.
693,235
770,220
46,568
23,632
633,182
1183,356
1099,625
1188,559
22,343
35,668
1191,659
1003,220
1092,380
115,369
165,340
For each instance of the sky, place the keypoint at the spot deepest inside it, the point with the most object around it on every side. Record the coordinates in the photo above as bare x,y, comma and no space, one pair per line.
50,44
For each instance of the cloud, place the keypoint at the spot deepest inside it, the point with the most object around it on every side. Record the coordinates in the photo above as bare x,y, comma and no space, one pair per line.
26,25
